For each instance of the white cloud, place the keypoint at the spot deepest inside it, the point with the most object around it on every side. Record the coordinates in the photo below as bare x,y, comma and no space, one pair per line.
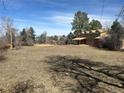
51,2
40,26
21,20
60,18
66,18
54,31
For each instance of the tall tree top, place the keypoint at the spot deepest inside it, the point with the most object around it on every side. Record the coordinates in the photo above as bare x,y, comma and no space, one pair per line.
95,25
80,21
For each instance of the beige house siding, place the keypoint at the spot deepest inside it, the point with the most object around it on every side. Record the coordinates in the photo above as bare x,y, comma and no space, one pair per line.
123,44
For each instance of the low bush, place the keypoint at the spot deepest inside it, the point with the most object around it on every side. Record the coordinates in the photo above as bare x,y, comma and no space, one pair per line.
3,48
111,43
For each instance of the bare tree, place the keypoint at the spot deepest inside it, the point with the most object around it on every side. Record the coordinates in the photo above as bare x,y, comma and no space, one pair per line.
3,3
8,28
121,15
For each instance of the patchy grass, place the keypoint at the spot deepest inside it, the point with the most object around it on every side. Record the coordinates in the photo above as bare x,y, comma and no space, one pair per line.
30,63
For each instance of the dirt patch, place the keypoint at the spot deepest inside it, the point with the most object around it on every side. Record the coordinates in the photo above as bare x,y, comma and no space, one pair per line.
27,86
43,45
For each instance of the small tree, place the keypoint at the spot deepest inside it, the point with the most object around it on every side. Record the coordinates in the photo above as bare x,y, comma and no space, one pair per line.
42,38
62,40
117,29
95,25
32,32
23,37
27,36
70,38
114,42
117,33
30,36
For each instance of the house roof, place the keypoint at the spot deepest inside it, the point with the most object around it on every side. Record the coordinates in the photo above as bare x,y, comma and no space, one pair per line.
79,38
104,34
97,37
94,31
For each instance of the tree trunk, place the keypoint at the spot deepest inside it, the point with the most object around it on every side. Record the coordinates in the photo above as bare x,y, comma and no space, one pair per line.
11,40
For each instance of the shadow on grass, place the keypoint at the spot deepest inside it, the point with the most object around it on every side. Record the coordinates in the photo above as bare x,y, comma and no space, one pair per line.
92,77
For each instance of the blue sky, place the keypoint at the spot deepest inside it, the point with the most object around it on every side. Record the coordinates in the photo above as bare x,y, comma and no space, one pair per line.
55,16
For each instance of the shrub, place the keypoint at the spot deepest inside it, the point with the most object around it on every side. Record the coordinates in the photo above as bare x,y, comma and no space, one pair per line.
3,48
111,43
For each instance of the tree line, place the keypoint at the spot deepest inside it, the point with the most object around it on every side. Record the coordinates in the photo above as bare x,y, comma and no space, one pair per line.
12,37
80,24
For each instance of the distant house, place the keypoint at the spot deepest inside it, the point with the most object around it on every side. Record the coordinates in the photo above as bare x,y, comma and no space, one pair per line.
93,41
123,44
79,40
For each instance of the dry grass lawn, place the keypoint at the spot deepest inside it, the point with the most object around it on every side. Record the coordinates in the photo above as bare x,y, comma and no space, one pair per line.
28,66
